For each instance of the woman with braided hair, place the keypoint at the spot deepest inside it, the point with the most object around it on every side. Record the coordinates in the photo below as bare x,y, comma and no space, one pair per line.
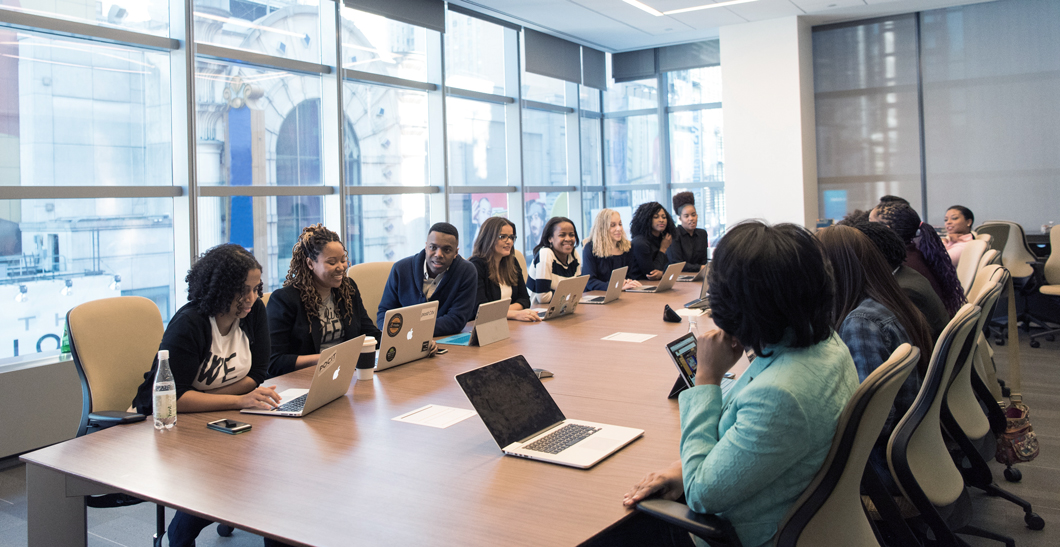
318,306
925,252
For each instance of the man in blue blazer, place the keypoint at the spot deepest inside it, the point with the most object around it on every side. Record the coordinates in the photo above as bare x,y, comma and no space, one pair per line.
436,273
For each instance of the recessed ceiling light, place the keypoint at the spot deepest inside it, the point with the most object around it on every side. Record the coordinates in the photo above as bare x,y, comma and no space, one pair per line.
707,6
644,7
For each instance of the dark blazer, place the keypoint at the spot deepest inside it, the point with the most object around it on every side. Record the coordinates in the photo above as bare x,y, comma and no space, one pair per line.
599,269
646,256
689,248
455,292
488,291
188,339
293,334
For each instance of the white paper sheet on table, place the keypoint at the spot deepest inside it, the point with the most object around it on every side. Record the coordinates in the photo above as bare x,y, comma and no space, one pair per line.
628,337
688,312
435,416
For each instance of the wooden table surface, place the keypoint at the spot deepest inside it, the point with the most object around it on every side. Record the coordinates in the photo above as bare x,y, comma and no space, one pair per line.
348,472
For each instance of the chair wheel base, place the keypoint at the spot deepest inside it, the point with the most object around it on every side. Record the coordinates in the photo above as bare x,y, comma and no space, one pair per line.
225,530
1050,338
1013,475
1034,522
1036,344
999,341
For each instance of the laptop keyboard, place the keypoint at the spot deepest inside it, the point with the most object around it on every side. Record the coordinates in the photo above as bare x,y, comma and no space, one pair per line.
594,299
561,439
294,405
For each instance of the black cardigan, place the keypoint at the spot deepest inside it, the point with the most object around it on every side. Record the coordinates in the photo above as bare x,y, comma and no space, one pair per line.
188,339
488,291
293,335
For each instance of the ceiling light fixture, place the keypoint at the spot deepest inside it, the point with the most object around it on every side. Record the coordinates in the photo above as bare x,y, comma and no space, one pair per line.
708,6
644,7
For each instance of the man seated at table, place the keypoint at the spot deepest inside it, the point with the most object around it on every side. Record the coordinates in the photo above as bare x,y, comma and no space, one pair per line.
435,273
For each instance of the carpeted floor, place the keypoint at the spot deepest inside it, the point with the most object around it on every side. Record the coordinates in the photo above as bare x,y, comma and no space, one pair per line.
133,526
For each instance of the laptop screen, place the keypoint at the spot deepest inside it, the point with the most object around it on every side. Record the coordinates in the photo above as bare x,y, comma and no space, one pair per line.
510,399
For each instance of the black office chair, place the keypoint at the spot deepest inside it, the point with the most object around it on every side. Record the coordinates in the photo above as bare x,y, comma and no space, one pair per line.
1051,288
113,342
829,512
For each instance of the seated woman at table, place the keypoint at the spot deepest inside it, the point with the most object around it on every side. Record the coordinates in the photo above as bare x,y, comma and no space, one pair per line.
652,230
318,305
873,316
959,221
218,347
606,249
924,251
748,457
499,274
554,259
690,244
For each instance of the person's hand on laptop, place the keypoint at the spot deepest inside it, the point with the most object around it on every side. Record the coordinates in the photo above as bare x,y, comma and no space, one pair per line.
528,315
666,484
655,275
263,397
432,348
716,353
630,284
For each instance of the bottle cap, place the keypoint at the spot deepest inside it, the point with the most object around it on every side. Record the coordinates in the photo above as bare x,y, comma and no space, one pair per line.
163,354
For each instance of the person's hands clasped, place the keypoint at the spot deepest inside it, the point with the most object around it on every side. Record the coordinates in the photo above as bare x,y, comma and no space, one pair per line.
630,284
529,316
263,397
666,484
716,353
666,241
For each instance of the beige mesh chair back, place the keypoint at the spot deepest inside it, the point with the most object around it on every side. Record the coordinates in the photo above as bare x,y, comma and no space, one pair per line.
829,512
371,280
114,341
1052,266
265,298
917,453
961,399
991,256
1009,240
968,265
985,237
522,262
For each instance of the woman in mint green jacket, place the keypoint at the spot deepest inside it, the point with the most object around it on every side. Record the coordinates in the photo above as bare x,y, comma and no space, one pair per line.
747,457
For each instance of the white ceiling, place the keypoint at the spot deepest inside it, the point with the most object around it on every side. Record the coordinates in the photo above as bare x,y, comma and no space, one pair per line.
614,26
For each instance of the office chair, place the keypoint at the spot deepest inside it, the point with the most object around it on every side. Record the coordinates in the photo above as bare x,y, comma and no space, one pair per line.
522,262
1018,259
1051,288
972,419
265,298
829,511
371,281
113,342
968,264
985,237
917,454
991,256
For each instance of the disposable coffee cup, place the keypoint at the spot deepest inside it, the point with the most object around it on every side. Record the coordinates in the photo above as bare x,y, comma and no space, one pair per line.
366,363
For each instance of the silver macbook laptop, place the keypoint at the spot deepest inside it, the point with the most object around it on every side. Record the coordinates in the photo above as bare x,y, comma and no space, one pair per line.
565,298
667,281
693,277
526,422
407,334
491,325
704,290
614,288
331,379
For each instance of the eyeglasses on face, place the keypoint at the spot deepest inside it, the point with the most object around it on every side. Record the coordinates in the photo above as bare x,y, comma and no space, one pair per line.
509,237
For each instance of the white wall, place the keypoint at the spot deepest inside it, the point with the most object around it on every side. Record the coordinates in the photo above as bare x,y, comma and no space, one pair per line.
770,148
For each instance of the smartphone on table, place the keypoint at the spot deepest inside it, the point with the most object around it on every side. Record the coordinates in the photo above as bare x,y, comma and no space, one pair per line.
232,427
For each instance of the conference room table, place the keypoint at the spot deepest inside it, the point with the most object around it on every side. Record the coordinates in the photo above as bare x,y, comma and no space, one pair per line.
348,473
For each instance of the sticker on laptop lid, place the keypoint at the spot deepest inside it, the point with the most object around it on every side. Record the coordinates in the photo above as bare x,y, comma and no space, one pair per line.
393,327
427,314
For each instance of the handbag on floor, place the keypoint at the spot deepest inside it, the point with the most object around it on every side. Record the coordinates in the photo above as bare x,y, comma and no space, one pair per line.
1018,443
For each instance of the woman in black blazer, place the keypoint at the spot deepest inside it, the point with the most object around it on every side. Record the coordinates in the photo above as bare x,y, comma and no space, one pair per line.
318,306
499,274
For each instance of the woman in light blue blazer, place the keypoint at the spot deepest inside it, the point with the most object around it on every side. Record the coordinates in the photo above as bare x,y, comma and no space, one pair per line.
747,457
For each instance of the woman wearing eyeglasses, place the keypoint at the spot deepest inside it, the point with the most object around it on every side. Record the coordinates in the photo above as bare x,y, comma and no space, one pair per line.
318,307
218,347
499,274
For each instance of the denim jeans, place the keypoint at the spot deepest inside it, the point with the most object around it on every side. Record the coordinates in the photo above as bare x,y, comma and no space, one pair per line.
184,528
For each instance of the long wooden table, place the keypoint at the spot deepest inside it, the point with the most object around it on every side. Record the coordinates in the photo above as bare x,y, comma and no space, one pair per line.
349,473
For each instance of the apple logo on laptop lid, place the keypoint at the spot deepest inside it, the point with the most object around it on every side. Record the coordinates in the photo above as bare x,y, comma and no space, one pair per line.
336,375
409,335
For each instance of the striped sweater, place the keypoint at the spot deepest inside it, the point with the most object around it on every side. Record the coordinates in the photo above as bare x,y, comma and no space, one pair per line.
545,272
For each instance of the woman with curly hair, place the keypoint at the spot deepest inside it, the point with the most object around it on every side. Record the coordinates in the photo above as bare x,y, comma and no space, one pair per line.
652,230
606,249
499,274
218,347
318,305
924,251
691,242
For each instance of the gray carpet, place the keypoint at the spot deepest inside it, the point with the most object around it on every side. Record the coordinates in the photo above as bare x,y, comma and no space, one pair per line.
133,526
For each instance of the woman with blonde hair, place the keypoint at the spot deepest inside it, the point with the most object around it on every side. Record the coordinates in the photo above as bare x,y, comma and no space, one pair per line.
499,274
318,306
605,250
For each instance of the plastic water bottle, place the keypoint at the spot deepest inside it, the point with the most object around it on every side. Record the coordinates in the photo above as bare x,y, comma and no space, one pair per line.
165,407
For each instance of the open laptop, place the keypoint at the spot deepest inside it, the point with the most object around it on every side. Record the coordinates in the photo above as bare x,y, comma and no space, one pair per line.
491,325
666,282
704,290
614,288
331,379
565,298
407,334
526,422
693,277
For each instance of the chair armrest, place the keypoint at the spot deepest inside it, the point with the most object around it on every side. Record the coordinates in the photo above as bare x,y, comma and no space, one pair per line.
107,418
711,528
